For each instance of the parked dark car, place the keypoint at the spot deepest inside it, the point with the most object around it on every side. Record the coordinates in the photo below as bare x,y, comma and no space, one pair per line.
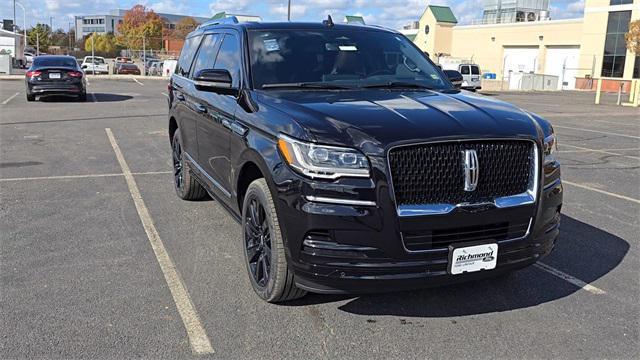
455,77
353,164
127,68
55,75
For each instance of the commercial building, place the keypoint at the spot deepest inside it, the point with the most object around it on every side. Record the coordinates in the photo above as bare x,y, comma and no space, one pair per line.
88,24
575,50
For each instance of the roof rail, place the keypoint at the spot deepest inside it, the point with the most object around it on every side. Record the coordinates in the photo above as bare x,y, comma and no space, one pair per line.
226,20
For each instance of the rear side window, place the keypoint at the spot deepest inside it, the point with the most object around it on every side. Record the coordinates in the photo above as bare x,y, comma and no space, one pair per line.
229,58
464,70
186,56
475,70
45,61
206,57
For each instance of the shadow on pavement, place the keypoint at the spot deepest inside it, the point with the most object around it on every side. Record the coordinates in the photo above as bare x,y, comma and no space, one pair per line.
100,97
104,97
583,251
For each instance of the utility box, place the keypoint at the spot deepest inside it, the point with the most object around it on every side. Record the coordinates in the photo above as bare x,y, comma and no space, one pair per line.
5,64
529,82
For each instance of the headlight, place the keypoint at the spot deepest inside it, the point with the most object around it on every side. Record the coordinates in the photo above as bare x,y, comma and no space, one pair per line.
550,147
320,161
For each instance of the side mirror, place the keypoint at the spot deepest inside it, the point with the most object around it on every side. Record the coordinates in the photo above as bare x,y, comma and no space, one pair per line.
213,79
455,77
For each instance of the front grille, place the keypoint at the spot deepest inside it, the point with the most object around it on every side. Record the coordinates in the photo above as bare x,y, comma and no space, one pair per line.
434,173
442,238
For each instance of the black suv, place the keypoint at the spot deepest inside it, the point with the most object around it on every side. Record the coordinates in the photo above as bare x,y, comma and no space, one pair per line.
353,164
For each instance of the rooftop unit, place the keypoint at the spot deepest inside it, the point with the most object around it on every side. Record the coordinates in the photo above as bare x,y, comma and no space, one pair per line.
510,11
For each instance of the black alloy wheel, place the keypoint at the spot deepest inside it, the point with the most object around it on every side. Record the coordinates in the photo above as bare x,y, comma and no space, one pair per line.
258,242
187,187
177,165
263,246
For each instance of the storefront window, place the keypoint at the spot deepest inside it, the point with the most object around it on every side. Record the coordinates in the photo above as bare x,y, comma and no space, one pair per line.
615,46
636,68
621,2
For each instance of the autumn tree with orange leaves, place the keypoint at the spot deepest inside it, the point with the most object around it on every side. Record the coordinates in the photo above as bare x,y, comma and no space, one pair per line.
139,23
633,37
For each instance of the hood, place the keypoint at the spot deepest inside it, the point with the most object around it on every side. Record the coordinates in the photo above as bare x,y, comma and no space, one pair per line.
373,120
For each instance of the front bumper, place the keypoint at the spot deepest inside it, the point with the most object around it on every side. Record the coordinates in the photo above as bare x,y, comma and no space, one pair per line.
338,248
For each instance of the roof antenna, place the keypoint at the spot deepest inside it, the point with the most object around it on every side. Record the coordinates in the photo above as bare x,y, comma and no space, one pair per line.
328,22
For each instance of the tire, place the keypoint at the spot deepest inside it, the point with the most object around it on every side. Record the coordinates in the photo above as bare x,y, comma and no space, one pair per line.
187,187
263,248
82,97
31,97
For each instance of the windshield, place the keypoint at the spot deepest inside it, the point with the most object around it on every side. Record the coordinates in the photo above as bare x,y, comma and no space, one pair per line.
54,61
333,57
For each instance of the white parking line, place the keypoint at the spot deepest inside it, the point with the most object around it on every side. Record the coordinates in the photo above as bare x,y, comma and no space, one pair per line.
136,80
566,277
10,98
93,97
602,191
165,94
87,176
597,131
198,339
607,151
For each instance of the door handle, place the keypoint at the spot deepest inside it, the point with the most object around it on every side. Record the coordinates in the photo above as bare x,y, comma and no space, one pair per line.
179,96
226,123
201,108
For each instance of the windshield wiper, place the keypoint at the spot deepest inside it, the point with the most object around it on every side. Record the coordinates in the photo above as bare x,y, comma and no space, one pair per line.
308,85
397,85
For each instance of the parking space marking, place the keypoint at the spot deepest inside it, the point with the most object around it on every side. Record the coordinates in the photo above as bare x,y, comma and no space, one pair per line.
609,152
10,98
601,191
597,131
566,277
136,80
198,339
87,176
93,97
165,94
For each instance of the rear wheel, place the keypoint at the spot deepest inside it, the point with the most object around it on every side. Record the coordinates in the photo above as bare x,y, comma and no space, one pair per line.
31,97
187,187
264,251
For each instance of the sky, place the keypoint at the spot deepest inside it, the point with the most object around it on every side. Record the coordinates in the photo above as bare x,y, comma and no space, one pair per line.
389,13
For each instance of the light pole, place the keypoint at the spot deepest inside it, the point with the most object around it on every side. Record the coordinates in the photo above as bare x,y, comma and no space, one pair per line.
93,54
24,23
289,11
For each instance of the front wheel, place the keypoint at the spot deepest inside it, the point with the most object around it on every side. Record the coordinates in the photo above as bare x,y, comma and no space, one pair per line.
31,97
264,251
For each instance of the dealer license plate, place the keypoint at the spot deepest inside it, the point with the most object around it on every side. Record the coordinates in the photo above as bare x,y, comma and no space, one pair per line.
468,259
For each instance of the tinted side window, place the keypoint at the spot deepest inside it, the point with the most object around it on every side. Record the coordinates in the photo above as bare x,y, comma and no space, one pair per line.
207,54
186,56
464,70
229,58
475,70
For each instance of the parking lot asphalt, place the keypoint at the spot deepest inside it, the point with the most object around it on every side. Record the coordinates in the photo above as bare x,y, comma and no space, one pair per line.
80,278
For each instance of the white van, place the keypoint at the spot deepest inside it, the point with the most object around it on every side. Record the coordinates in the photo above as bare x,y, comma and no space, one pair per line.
471,77
471,74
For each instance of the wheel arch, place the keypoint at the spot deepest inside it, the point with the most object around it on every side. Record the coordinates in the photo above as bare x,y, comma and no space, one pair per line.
250,170
173,126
